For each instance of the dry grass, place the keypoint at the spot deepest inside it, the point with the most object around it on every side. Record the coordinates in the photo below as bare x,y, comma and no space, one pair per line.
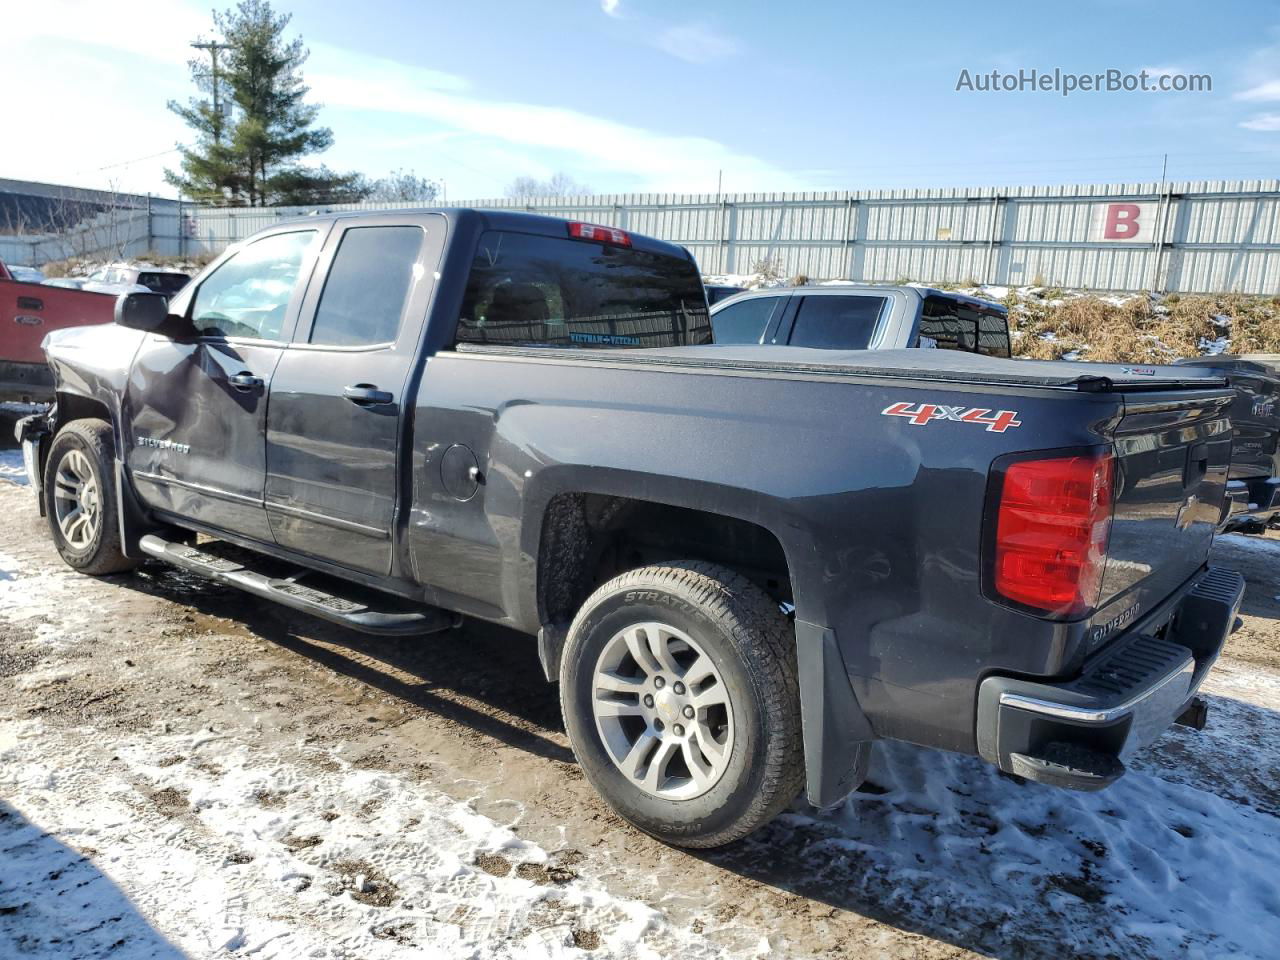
1141,328
83,266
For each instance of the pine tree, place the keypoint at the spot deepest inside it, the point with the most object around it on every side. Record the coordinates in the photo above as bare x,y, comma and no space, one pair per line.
252,155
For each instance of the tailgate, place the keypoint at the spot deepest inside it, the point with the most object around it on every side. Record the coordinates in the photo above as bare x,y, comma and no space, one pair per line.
28,311
1173,451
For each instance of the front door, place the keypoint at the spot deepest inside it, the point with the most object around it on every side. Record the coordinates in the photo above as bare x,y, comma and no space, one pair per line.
339,393
196,409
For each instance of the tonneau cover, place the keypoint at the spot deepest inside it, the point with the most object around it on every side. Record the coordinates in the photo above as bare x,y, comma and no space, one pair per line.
938,365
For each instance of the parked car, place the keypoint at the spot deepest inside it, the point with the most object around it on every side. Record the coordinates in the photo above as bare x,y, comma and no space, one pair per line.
847,317
744,565
120,278
29,311
720,291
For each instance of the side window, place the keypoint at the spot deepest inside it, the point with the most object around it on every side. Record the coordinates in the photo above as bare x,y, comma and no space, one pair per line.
248,295
744,321
368,284
955,325
993,335
836,322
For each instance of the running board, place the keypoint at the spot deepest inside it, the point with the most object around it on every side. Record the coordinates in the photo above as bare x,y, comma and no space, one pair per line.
349,613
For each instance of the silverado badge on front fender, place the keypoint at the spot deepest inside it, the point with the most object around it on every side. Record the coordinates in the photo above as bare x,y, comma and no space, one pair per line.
918,414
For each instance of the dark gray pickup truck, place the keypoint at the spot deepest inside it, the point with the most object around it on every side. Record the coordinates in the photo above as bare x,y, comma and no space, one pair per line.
744,565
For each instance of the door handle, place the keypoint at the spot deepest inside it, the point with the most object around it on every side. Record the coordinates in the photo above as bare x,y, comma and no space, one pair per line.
366,395
245,381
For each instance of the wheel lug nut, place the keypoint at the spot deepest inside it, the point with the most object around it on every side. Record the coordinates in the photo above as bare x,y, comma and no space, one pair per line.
679,687
648,701
659,682
688,713
678,730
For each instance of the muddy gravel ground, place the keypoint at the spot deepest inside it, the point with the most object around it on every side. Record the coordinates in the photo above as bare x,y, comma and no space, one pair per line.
188,772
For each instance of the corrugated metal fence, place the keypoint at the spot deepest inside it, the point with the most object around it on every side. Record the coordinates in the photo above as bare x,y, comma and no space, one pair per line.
1205,236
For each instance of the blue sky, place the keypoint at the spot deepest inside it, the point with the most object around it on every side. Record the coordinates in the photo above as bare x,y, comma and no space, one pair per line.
656,95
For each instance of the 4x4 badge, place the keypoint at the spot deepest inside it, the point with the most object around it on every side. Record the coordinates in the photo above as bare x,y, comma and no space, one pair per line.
918,414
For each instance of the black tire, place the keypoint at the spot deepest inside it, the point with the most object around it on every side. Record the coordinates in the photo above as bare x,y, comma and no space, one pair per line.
102,554
752,645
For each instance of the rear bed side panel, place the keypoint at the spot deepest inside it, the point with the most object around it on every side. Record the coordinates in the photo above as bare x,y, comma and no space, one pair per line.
880,518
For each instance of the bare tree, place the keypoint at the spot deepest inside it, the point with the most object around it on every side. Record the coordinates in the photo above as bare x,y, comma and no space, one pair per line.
558,185
403,186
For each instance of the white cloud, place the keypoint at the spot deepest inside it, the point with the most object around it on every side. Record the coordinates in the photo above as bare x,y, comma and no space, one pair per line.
1165,71
116,79
696,43
1266,122
598,149
610,7
1269,90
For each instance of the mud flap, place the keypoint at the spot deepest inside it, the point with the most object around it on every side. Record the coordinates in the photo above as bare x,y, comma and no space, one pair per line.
133,520
837,735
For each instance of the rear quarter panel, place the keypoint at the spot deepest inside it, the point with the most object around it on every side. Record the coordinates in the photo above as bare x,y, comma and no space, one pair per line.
880,518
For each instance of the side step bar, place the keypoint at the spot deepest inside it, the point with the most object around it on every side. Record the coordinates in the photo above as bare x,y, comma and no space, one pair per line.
328,606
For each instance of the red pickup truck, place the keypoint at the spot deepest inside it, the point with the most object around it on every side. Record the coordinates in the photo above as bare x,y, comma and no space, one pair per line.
28,311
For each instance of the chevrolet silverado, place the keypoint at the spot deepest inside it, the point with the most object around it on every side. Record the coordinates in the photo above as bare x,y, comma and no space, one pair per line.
743,565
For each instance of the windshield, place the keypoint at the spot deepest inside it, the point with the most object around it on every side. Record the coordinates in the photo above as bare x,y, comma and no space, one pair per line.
532,290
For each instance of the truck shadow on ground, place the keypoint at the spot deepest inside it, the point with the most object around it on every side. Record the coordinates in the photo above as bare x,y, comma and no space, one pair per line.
55,902
480,676
934,844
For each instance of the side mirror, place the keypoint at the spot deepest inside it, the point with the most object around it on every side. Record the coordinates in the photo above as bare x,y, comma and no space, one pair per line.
149,312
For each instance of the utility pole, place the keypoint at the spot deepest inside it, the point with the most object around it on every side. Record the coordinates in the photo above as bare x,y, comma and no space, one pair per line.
213,46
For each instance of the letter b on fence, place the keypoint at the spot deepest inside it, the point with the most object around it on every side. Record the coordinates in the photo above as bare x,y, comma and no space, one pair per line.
1122,222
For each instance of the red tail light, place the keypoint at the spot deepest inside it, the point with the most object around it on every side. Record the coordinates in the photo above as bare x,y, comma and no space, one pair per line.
1051,533
592,231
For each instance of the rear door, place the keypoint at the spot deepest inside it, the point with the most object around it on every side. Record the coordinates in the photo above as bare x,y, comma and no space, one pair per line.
197,409
337,398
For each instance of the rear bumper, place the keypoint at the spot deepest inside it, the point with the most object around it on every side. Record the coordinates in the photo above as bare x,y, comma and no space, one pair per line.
1079,733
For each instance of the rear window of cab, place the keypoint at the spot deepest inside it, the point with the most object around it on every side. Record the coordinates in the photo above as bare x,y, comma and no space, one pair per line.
534,290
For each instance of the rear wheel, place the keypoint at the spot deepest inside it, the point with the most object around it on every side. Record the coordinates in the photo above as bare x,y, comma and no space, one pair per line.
678,685
81,500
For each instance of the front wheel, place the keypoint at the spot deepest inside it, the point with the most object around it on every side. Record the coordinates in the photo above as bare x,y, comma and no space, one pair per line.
679,691
81,501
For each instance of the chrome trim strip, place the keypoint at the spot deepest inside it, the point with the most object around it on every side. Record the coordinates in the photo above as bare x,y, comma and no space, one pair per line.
1064,711
350,526
195,487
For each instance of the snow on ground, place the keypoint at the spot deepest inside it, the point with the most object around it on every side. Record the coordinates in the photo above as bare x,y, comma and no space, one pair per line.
190,845
194,839
12,468
174,843
1180,871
